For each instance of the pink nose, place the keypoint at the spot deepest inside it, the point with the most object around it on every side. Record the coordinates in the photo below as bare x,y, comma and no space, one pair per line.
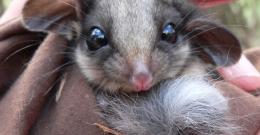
142,81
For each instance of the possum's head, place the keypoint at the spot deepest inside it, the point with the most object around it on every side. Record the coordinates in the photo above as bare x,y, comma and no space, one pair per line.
131,45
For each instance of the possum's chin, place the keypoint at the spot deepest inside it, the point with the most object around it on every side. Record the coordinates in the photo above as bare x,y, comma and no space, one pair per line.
188,105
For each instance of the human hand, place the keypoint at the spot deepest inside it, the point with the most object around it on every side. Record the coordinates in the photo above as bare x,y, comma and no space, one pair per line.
13,11
243,74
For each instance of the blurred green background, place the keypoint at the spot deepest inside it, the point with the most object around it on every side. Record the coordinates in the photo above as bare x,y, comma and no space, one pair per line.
242,17
3,5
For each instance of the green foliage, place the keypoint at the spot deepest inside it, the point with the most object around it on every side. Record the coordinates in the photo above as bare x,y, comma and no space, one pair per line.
6,2
243,17
250,11
3,5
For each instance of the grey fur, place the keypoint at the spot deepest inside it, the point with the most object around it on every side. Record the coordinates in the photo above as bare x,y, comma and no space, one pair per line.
134,30
185,106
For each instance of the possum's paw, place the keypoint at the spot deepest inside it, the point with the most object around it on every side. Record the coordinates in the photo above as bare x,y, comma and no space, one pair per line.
188,105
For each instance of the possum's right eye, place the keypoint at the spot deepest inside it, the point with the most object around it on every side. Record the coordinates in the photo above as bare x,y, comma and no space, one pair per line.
169,33
96,39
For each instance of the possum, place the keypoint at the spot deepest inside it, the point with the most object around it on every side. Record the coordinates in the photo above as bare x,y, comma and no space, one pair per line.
148,62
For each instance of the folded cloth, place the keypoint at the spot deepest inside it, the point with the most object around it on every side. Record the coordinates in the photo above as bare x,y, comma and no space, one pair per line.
41,95
30,71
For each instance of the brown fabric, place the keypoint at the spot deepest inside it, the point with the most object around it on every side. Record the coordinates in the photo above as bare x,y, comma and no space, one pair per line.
244,107
73,113
33,71
27,106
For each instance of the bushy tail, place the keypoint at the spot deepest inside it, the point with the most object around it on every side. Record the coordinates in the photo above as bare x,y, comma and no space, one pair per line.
185,106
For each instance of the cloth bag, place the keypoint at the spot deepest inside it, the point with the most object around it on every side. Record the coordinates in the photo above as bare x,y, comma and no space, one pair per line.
41,94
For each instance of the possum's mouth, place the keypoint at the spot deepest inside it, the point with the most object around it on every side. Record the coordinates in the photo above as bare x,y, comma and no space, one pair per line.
243,74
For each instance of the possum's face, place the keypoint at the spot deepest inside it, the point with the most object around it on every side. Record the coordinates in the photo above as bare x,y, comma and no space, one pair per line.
131,45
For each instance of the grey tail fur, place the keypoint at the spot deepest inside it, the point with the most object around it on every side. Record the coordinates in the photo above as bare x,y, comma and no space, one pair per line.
185,106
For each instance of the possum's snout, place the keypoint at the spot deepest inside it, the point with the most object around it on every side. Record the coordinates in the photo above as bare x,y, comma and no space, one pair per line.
141,77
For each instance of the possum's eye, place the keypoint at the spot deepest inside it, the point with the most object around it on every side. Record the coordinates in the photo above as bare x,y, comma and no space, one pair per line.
169,33
96,39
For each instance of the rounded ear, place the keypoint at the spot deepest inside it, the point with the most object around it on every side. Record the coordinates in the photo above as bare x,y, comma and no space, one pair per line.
221,47
58,16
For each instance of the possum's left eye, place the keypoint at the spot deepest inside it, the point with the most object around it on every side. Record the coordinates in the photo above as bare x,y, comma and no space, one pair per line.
169,33
96,39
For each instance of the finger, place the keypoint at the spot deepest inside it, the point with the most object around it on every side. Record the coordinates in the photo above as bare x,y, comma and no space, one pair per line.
243,74
13,11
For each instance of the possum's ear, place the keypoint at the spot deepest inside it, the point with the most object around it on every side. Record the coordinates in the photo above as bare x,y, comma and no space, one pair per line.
218,45
58,16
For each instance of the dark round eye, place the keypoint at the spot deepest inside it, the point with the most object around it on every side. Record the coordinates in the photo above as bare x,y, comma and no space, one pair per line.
169,33
96,39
